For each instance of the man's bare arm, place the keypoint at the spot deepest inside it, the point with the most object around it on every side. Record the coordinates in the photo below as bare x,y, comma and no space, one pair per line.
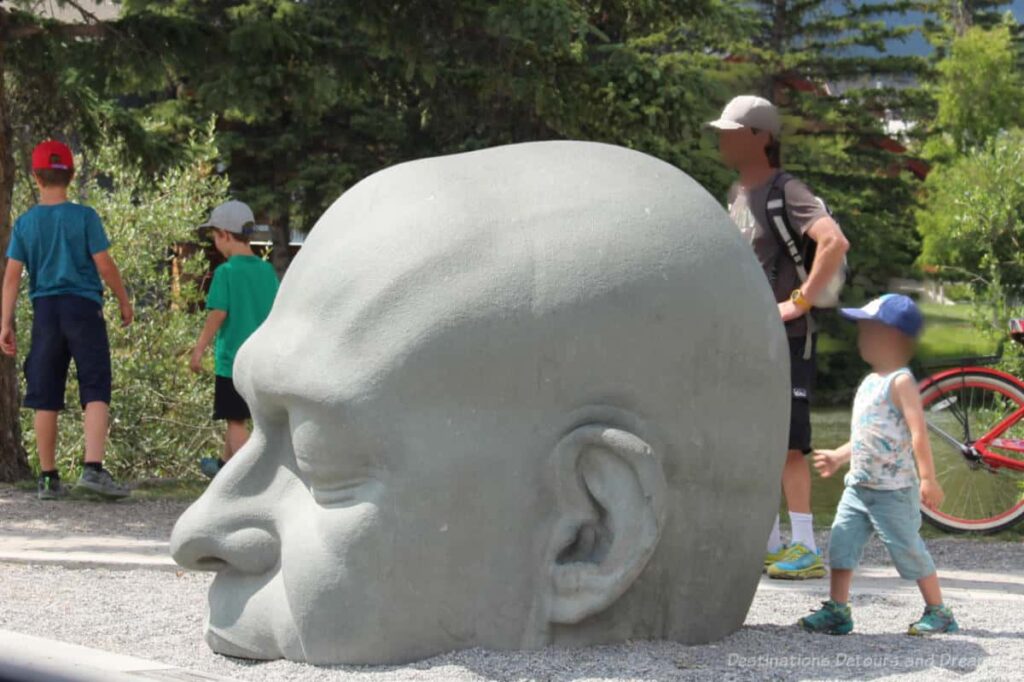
832,248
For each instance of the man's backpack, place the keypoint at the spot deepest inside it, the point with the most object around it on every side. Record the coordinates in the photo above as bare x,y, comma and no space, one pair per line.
801,251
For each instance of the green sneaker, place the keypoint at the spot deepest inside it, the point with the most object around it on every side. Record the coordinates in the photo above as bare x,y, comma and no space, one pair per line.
831,618
771,557
936,620
799,563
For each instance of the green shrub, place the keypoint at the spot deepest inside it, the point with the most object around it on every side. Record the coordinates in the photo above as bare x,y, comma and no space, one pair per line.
160,411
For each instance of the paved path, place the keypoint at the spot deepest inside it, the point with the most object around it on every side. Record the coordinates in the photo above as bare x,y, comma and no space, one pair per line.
85,551
76,550
883,579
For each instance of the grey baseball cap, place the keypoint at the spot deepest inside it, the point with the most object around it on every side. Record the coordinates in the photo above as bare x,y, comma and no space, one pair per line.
749,111
231,216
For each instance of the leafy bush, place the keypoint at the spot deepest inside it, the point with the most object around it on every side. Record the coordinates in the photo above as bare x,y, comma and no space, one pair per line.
973,229
160,411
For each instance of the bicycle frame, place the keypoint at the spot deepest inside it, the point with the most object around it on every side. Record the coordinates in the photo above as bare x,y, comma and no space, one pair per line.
992,438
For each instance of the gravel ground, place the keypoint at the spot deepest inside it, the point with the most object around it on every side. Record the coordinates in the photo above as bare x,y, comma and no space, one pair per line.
158,615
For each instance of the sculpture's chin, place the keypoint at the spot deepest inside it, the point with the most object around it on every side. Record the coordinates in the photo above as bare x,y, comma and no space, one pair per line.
225,646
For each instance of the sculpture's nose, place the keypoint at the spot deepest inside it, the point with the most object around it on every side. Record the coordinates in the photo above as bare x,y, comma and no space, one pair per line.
204,546
230,525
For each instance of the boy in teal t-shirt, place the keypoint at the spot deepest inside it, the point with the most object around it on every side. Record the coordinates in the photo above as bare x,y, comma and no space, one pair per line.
240,297
64,249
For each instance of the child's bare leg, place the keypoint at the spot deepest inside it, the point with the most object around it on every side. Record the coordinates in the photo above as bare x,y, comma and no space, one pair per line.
930,590
97,417
46,439
839,589
237,435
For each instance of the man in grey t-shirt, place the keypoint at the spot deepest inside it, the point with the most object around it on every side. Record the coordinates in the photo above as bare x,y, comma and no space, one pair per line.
748,134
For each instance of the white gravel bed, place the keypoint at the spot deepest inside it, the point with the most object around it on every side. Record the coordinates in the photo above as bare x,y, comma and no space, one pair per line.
158,615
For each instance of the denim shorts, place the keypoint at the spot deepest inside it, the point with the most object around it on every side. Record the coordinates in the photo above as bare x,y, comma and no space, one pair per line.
895,515
64,328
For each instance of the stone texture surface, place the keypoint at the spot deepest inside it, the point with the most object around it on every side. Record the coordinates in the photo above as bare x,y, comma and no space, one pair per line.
524,396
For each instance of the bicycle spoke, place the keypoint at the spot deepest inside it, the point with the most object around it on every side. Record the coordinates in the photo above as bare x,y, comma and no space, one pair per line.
950,439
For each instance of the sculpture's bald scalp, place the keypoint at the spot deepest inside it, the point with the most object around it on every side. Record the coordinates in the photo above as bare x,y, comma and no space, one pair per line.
585,253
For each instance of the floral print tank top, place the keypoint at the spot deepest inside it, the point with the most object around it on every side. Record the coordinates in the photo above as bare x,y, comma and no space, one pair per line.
883,452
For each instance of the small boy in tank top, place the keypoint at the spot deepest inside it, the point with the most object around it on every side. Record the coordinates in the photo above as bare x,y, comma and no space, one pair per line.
884,489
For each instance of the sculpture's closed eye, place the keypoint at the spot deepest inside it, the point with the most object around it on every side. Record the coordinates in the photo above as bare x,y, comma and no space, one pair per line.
344,493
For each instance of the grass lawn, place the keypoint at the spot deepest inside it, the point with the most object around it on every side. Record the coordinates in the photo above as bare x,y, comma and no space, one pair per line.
948,333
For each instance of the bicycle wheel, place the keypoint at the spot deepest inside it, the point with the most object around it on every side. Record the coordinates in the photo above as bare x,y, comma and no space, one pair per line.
963,406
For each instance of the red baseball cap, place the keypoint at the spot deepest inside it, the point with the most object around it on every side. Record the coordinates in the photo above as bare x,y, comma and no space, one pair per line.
52,154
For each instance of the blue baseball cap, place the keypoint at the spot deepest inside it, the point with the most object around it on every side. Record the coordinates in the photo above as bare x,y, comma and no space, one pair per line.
893,310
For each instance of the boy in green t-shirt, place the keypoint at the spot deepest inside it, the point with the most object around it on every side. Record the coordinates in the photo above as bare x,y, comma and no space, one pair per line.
240,297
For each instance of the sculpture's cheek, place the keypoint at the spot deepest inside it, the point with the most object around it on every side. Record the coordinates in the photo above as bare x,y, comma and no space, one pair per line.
337,571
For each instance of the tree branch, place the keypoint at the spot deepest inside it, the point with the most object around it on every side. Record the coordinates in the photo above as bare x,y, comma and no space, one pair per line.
59,30
13,30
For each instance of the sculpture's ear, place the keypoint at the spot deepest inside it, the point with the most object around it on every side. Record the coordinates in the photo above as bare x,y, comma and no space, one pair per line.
611,497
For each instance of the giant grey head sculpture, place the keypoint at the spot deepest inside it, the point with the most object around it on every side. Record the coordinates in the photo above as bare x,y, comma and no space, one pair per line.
528,395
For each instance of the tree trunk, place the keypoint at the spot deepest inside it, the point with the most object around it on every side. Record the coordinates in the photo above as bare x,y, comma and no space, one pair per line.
960,14
773,89
280,235
13,463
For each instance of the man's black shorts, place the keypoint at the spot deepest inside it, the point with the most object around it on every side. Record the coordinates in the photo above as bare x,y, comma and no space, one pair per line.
66,328
227,403
802,377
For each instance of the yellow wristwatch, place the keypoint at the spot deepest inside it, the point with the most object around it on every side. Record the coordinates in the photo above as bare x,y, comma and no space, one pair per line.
799,300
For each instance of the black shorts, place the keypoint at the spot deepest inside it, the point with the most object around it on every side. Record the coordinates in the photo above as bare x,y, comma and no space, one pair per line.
802,378
227,403
66,328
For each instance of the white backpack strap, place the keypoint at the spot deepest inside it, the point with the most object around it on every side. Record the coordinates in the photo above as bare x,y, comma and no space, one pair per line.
776,210
794,251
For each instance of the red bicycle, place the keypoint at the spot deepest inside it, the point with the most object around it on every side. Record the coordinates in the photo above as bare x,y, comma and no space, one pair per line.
975,417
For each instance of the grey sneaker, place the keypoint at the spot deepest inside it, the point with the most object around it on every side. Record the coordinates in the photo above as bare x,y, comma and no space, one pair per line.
101,483
51,489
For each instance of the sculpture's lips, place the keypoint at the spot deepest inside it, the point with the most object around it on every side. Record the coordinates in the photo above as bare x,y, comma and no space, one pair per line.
223,644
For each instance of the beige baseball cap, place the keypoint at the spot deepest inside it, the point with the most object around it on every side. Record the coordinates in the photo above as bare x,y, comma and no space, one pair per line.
749,111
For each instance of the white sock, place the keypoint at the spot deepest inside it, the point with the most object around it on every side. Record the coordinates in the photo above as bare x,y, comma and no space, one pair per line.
803,529
775,538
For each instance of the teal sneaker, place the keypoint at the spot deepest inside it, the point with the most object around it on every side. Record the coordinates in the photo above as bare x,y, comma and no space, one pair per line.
799,563
936,620
771,557
832,619
210,466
